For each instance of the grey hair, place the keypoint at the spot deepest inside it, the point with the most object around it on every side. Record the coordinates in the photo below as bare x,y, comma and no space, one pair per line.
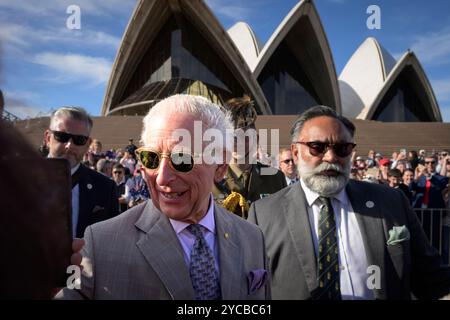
101,165
319,111
211,115
76,113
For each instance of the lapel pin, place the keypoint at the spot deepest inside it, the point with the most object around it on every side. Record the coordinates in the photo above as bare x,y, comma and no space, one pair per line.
89,186
370,204
226,235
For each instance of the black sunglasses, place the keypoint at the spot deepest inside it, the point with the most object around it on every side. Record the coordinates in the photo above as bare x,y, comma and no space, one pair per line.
63,137
430,162
180,161
317,148
287,161
117,172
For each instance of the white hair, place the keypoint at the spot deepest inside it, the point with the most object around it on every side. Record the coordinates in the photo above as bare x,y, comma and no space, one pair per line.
211,115
325,186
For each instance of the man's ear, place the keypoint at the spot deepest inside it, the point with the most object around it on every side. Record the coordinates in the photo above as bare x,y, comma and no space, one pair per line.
220,172
47,135
294,151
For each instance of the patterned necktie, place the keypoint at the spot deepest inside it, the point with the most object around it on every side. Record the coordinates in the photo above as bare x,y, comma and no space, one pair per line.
204,277
328,257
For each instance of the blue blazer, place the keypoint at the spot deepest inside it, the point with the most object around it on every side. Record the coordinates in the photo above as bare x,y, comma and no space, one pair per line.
98,199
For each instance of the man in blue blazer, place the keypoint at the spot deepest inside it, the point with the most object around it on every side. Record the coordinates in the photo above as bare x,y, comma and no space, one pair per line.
94,196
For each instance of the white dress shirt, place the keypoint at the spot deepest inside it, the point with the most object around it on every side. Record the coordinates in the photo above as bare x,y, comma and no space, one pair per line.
75,203
352,254
187,239
290,181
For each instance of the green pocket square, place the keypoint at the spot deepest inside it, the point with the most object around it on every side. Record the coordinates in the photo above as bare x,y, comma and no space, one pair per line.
398,234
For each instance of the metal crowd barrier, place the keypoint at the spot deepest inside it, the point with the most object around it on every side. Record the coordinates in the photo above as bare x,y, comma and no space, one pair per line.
429,217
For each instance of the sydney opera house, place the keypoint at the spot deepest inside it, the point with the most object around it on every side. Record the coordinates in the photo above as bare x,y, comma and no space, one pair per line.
179,46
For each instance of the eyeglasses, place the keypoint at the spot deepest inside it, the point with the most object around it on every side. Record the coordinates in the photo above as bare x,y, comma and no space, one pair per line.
430,162
117,172
64,137
180,161
317,148
287,161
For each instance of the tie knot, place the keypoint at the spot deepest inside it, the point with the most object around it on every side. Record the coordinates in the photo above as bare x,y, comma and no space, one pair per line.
325,201
196,230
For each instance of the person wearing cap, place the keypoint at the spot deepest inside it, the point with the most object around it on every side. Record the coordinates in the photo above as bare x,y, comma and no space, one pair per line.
360,162
246,179
385,165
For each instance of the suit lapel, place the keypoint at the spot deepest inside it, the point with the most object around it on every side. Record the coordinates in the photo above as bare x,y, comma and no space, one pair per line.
370,222
162,250
85,199
230,257
254,185
296,214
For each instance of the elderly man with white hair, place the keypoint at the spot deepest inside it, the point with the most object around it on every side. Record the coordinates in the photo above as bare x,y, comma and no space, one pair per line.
179,244
331,238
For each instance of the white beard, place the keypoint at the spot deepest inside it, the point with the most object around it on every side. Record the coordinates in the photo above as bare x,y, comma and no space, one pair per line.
325,186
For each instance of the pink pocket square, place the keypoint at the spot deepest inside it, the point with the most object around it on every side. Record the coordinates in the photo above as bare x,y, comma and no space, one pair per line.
256,279
97,208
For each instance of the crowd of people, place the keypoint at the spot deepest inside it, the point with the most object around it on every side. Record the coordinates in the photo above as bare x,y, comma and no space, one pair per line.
422,177
121,166
407,172
157,223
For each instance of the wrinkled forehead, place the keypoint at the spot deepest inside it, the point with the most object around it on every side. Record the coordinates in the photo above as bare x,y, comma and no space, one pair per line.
164,131
325,129
70,125
286,154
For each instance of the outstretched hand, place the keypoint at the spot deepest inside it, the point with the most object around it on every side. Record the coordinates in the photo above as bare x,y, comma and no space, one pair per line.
77,245
75,258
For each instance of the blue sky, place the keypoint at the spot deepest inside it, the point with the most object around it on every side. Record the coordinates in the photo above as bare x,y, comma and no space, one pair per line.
44,65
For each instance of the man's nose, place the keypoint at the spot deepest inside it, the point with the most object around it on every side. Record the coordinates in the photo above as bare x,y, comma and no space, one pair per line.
330,155
165,173
69,144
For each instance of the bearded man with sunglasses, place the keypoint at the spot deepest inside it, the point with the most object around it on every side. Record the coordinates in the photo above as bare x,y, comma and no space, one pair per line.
94,196
331,238
179,244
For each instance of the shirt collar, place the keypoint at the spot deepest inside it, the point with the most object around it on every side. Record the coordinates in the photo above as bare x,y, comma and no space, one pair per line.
121,181
74,169
207,221
312,196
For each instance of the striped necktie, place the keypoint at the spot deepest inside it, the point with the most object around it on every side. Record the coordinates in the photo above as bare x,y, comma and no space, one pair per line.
204,277
328,254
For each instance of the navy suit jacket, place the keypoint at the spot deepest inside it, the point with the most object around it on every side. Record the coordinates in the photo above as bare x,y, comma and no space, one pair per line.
98,199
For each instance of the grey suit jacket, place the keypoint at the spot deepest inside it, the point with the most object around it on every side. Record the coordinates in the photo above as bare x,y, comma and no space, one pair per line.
409,266
137,255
